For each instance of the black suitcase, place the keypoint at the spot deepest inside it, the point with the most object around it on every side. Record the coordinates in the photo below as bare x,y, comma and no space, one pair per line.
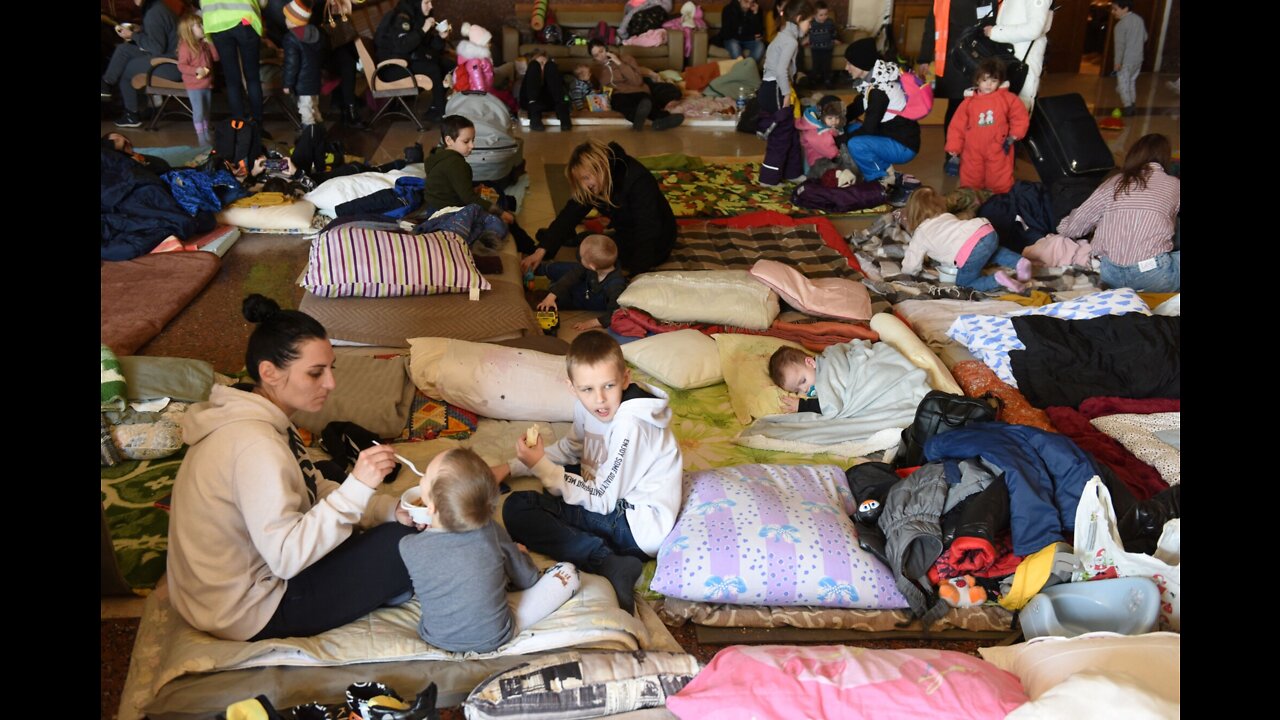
1064,140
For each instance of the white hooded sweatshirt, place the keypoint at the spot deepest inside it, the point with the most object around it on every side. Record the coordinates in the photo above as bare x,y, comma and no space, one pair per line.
242,522
634,457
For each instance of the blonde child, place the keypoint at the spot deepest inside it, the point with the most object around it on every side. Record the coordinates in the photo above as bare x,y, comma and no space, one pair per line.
592,284
611,508
968,244
985,126
196,57
782,159
462,563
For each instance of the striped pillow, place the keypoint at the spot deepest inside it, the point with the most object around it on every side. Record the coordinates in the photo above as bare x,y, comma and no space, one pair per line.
355,261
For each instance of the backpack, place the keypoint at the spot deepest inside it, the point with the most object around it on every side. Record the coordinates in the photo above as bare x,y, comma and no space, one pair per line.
919,96
940,412
604,33
237,142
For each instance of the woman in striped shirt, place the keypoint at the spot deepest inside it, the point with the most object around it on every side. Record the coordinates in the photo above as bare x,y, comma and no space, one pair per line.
1132,216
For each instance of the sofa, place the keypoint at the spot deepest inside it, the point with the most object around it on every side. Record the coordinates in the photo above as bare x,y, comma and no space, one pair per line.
518,37
704,51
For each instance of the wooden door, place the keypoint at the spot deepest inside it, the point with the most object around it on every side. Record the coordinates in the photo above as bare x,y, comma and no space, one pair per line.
909,17
1066,37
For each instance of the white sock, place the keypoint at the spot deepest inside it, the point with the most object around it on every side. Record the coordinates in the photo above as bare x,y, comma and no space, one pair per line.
559,583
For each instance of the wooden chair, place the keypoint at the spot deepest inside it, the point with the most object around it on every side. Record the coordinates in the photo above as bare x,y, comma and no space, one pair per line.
158,86
394,90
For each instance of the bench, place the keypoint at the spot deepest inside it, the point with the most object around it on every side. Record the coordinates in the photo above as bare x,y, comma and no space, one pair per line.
518,37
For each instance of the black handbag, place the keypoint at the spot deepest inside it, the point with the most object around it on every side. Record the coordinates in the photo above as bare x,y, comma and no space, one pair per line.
972,47
941,412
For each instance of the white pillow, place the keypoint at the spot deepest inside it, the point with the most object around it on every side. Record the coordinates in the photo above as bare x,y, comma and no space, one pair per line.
1098,697
332,193
497,382
296,215
1149,661
684,359
726,297
898,336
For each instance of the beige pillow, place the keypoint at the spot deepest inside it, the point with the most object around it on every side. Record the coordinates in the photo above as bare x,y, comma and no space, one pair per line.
744,359
503,383
1149,661
896,333
373,393
295,216
684,359
726,297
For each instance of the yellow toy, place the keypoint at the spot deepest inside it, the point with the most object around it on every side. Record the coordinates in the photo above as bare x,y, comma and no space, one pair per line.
548,320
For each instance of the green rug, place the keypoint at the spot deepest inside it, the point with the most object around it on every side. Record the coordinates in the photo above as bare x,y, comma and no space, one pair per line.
139,530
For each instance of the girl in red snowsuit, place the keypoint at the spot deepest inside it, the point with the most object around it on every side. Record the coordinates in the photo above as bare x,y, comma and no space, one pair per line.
984,129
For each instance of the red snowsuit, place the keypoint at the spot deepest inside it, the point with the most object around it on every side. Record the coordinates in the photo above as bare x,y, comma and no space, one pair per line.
977,134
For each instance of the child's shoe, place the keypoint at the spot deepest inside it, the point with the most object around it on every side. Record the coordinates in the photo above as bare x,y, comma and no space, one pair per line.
1023,270
1013,285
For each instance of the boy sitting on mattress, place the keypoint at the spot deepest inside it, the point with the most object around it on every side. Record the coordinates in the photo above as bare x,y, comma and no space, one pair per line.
612,485
594,283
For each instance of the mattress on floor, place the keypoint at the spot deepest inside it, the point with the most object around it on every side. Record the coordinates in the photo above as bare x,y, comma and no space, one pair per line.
678,612
179,672
500,314
140,296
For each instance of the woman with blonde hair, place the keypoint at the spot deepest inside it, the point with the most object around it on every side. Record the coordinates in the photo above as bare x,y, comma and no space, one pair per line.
606,179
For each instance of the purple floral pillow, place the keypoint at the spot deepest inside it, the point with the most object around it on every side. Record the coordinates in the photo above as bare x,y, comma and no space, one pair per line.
771,535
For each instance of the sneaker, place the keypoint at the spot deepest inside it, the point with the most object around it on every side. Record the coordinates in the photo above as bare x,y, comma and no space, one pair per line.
952,166
797,179
643,108
1024,270
106,93
668,122
1013,285
129,120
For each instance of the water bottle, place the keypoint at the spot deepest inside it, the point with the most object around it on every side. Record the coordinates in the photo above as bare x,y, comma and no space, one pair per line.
742,99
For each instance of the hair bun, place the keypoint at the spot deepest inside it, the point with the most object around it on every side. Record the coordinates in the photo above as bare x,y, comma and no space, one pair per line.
259,308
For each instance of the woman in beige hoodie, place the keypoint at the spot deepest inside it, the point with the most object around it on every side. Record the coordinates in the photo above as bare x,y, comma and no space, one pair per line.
261,545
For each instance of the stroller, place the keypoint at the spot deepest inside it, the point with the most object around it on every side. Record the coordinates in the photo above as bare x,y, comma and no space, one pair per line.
497,153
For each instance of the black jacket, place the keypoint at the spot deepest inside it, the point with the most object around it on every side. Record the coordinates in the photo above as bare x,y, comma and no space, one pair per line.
159,34
897,128
963,13
137,211
639,213
737,24
400,35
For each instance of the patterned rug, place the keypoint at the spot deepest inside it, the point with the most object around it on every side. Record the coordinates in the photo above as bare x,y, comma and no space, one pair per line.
714,246
139,529
724,190
717,189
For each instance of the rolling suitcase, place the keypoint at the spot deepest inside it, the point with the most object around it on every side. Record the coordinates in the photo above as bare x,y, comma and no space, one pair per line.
1064,140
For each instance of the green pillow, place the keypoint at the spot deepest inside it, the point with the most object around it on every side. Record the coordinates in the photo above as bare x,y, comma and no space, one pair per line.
182,379
113,382
744,76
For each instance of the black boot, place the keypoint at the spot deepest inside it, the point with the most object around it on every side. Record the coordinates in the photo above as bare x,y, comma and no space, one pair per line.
351,118
564,113
535,117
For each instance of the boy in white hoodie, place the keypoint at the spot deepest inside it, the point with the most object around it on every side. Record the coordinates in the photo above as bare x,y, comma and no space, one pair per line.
611,512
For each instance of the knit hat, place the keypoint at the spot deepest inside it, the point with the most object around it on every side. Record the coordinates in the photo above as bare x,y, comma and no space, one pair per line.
297,17
862,54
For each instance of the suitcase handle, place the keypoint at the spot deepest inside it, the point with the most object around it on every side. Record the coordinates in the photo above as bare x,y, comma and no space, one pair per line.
1031,145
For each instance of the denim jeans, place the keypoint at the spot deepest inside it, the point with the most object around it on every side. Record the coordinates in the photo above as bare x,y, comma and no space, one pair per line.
987,251
735,48
547,524
1166,276
875,153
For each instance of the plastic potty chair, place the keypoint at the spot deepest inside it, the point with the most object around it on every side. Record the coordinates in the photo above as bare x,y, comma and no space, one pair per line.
1129,606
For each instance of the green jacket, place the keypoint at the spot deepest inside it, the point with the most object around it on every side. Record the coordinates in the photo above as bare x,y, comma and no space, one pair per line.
448,182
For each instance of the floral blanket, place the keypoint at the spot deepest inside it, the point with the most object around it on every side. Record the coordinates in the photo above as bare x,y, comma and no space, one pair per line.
724,190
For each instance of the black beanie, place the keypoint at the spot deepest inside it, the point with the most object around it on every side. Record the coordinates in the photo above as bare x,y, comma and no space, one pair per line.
862,54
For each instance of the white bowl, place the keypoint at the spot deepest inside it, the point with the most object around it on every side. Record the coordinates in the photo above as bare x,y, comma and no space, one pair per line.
409,501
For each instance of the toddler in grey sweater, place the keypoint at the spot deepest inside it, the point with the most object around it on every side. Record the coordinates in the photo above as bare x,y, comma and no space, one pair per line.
463,562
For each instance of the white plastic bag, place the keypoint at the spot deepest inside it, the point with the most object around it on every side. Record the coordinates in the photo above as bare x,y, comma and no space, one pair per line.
1102,554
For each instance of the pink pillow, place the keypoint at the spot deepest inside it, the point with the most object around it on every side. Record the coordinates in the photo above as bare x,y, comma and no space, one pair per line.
838,298
781,681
